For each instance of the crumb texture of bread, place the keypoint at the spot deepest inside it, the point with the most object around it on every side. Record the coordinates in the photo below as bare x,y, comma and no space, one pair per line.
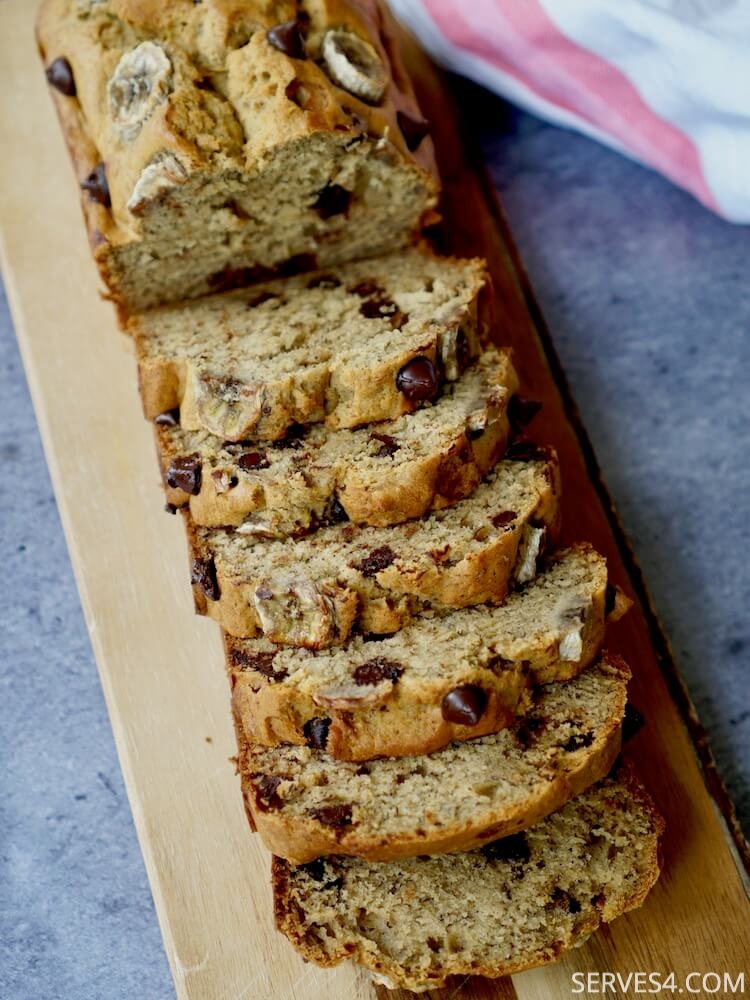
380,475
314,591
362,343
231,140
448,677
305,804
517,903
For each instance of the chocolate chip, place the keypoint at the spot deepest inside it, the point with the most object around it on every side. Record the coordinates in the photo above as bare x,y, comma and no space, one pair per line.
376,561
366,289
514,848
336,512
266,786
298,264
529,729
333,200
414,130
610,599
315,732
418,380
185,473
170,418
289,38
324,281
463,351
504,518
262,662
60,76
521,411
578,741
525,451
465,705
237,277
253,460
337,816
632,723
315,869
170,508
97,187
562,900
203,575
377,670
388,445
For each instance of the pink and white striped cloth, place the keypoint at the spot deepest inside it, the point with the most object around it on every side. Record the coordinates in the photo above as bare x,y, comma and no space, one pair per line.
666,82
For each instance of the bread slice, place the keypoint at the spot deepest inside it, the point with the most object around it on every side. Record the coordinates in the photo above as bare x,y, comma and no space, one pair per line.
219,142
450,677
362,343
306,804
379,475
515,904
315,590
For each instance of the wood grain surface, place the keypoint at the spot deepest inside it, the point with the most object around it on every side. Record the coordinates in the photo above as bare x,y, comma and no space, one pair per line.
161,669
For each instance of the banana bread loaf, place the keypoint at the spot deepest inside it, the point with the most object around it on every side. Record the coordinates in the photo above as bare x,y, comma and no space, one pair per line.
378,475
306,804
218,143
514,904
443,678
313,591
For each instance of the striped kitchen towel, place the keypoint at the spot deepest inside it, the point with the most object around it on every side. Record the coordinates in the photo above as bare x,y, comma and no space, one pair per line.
666,82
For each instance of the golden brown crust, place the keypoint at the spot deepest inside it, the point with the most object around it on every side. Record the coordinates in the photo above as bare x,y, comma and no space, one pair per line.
290,921
300,839
406,718
455,572
230,102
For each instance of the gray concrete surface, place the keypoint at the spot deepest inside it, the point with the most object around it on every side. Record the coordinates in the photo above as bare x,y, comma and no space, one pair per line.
645,293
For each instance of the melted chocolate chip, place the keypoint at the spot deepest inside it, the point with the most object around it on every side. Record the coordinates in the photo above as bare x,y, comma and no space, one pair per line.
377,670
266,787
337,816
203,575
185,473
289,38
60,76
388,445
253,460
578,741
333,200
262,662
529,729
366,289
521,411
525,451
315,869
414,130
97,187
464,705
237,277
463,351
376,561
632,722
513,848
170,418
298,264
504,518
315,732
336,512
418,380
562,900
610,599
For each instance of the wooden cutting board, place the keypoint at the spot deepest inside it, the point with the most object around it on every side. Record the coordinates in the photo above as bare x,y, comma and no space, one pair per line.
161,669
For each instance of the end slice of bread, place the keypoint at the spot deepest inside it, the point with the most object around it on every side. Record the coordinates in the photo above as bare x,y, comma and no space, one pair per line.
515,904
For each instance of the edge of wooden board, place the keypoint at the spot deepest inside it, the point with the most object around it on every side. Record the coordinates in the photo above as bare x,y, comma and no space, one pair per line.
713,780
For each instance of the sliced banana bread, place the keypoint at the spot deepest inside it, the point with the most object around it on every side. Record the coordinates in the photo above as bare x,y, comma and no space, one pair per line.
377,475
364,342
218,142
514,904
443,678
313,591
306,804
